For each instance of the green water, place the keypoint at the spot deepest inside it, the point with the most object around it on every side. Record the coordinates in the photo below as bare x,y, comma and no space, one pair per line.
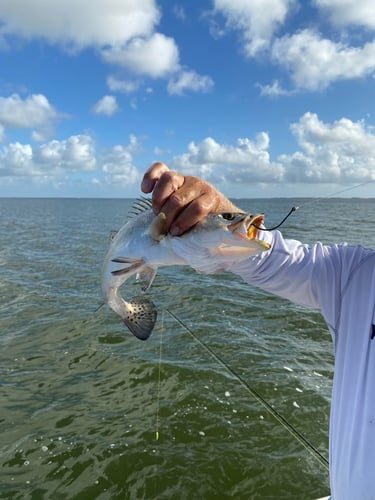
81,399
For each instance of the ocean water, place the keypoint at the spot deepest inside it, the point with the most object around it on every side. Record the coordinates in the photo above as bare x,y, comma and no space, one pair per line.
81,399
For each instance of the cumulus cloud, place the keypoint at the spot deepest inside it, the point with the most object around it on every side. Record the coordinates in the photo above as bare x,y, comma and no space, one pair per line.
312,61
79,24
121,85
341,152
123,33
273,90
246,161
33,112
55,162
117,165
349,12
189,80
76,154
257,20
155,56
107,105
315,62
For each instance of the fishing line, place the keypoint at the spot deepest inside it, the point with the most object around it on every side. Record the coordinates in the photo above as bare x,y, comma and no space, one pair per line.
159,379
335,193
311,202
282,420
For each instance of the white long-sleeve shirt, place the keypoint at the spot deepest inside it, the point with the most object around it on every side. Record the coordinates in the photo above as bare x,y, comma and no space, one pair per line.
340,281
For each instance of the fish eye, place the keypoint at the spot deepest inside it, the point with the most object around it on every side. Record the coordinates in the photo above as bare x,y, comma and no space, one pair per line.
228,216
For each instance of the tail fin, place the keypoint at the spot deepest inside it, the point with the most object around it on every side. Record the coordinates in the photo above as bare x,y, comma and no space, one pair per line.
140,317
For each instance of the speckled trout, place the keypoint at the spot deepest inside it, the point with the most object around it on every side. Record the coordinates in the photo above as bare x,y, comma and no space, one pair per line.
143,244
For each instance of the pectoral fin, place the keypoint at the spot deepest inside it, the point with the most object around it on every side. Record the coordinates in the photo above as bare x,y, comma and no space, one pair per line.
147,276
134,264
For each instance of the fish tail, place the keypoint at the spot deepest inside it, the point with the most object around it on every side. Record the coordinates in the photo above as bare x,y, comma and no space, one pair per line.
139,315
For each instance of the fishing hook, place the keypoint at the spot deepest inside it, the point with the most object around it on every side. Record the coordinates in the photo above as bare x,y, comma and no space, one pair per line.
293,209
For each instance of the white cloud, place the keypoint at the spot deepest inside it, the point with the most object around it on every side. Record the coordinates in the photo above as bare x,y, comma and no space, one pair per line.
156,56
16,159
257,20
189,80
76,154
58,164
107,105
135,144
273,90
117,164
247,161
312,61
122,32
120,85
33,112
349,12
79,24
315,62
342,152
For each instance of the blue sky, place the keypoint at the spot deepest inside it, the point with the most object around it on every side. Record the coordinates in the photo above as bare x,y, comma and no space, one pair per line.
262,98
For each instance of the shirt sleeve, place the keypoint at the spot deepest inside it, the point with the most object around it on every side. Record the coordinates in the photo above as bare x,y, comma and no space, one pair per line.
307,275
315,276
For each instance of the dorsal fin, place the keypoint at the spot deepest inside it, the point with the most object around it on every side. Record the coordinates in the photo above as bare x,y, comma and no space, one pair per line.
139,206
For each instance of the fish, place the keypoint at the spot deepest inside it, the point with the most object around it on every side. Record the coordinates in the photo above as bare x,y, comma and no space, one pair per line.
143,244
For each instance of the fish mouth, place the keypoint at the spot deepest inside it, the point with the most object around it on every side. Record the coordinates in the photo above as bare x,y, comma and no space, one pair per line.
248,227
254,224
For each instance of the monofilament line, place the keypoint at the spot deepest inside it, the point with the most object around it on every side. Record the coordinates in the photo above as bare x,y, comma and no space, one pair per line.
313,202
159,377
335,193
282,420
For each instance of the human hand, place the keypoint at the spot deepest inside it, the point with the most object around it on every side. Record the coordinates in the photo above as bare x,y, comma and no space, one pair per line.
184,199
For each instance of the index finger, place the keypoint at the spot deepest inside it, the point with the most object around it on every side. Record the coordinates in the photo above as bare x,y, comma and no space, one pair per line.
152,175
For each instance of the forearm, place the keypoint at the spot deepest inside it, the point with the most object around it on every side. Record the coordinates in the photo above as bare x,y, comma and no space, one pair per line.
285,270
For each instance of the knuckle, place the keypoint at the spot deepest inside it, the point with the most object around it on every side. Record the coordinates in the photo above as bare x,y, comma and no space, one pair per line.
168,176
175,201
199,209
